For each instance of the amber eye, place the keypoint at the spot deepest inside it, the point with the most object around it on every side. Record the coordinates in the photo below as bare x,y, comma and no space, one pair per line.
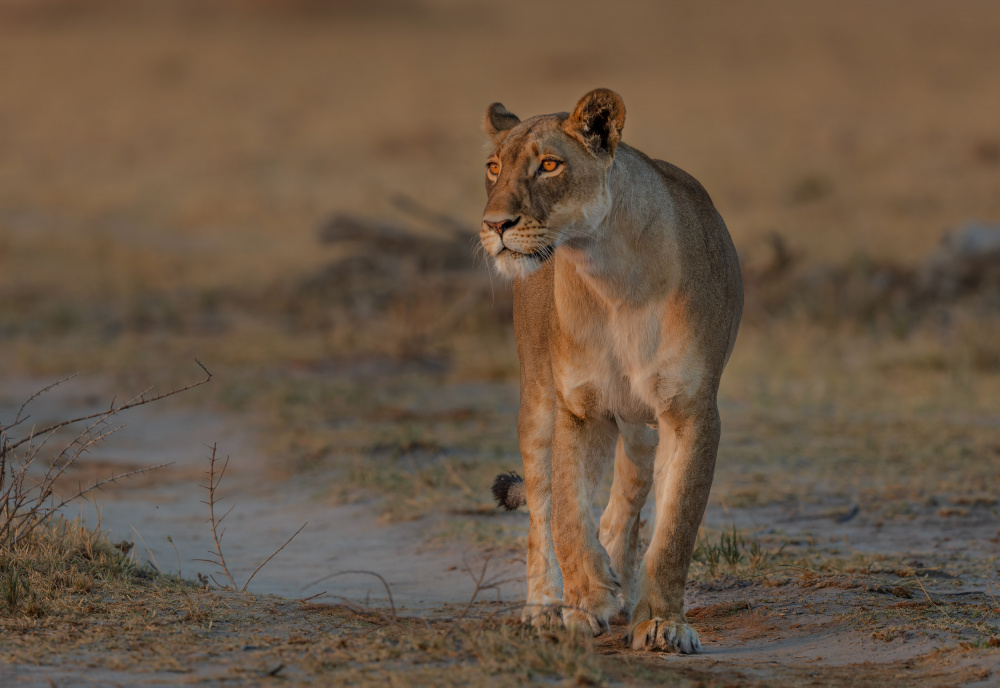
493,168
550,165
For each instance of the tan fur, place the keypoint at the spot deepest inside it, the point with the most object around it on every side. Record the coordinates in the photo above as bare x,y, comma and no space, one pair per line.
627,303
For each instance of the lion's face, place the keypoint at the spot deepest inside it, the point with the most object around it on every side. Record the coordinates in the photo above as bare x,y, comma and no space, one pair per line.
547,180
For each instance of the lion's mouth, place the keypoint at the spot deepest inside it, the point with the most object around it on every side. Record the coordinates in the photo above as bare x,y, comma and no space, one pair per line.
541,255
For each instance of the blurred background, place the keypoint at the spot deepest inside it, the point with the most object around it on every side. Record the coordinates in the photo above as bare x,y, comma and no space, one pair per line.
291,191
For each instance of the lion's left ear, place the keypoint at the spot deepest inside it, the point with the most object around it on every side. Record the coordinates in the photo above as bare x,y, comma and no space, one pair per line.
598,120
498,121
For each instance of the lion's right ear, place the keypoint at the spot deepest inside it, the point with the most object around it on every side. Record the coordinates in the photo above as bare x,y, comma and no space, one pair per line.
499,120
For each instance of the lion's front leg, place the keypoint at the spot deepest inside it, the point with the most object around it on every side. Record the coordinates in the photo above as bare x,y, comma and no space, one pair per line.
634,459
581,450
534,432
685,464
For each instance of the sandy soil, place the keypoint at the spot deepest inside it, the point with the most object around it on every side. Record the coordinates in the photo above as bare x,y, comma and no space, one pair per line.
771,627
168,502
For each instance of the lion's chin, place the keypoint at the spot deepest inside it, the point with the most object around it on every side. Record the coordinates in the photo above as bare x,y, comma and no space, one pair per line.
513,264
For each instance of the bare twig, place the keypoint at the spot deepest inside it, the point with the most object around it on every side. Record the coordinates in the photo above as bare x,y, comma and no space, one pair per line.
37,512
219,560
434,218
929,598
25,503
385,584
113,479
152,557
18,419
365,609
178,555
213,485
139,400
272,556
460,482
481,584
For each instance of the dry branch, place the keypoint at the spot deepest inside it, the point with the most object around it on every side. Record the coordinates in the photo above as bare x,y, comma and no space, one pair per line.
138,400
213,485
273,555
219,559
109,480
482,583
365,609
24,503
17,419
385,584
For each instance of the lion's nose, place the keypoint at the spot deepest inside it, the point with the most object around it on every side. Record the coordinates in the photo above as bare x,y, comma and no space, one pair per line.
502,226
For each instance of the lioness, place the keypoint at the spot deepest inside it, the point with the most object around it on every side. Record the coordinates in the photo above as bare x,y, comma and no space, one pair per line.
627,301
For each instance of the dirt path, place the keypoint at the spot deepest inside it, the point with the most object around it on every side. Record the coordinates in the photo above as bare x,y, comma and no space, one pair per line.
167,502
875,625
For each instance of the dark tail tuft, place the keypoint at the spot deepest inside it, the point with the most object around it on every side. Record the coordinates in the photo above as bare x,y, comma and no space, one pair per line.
508,490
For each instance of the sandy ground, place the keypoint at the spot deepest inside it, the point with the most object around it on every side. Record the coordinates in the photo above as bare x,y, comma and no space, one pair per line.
777,625
168,503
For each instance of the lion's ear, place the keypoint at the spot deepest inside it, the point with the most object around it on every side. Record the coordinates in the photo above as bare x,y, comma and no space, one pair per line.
598,120
499,120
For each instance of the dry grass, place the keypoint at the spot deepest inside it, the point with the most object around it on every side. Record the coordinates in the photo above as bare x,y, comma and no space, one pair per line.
873,419
68,594
89,603
86,601
62,569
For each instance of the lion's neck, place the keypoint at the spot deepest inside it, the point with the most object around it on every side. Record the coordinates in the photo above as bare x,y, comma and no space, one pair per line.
617,259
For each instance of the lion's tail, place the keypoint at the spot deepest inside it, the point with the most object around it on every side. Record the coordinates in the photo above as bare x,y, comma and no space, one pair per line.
509,491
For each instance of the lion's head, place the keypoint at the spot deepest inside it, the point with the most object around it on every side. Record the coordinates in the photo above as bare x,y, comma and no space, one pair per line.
547,179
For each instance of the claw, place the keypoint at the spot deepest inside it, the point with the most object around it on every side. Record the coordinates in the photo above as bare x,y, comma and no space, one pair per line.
596,614
664,635
545,615
579,619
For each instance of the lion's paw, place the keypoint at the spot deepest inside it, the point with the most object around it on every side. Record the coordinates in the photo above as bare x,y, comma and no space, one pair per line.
623,617
596,614
665,636
583,621
543,615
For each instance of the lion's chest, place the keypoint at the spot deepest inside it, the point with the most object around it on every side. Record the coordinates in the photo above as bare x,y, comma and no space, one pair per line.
617,358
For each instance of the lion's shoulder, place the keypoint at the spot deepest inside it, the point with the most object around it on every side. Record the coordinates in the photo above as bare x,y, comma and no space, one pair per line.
678,182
